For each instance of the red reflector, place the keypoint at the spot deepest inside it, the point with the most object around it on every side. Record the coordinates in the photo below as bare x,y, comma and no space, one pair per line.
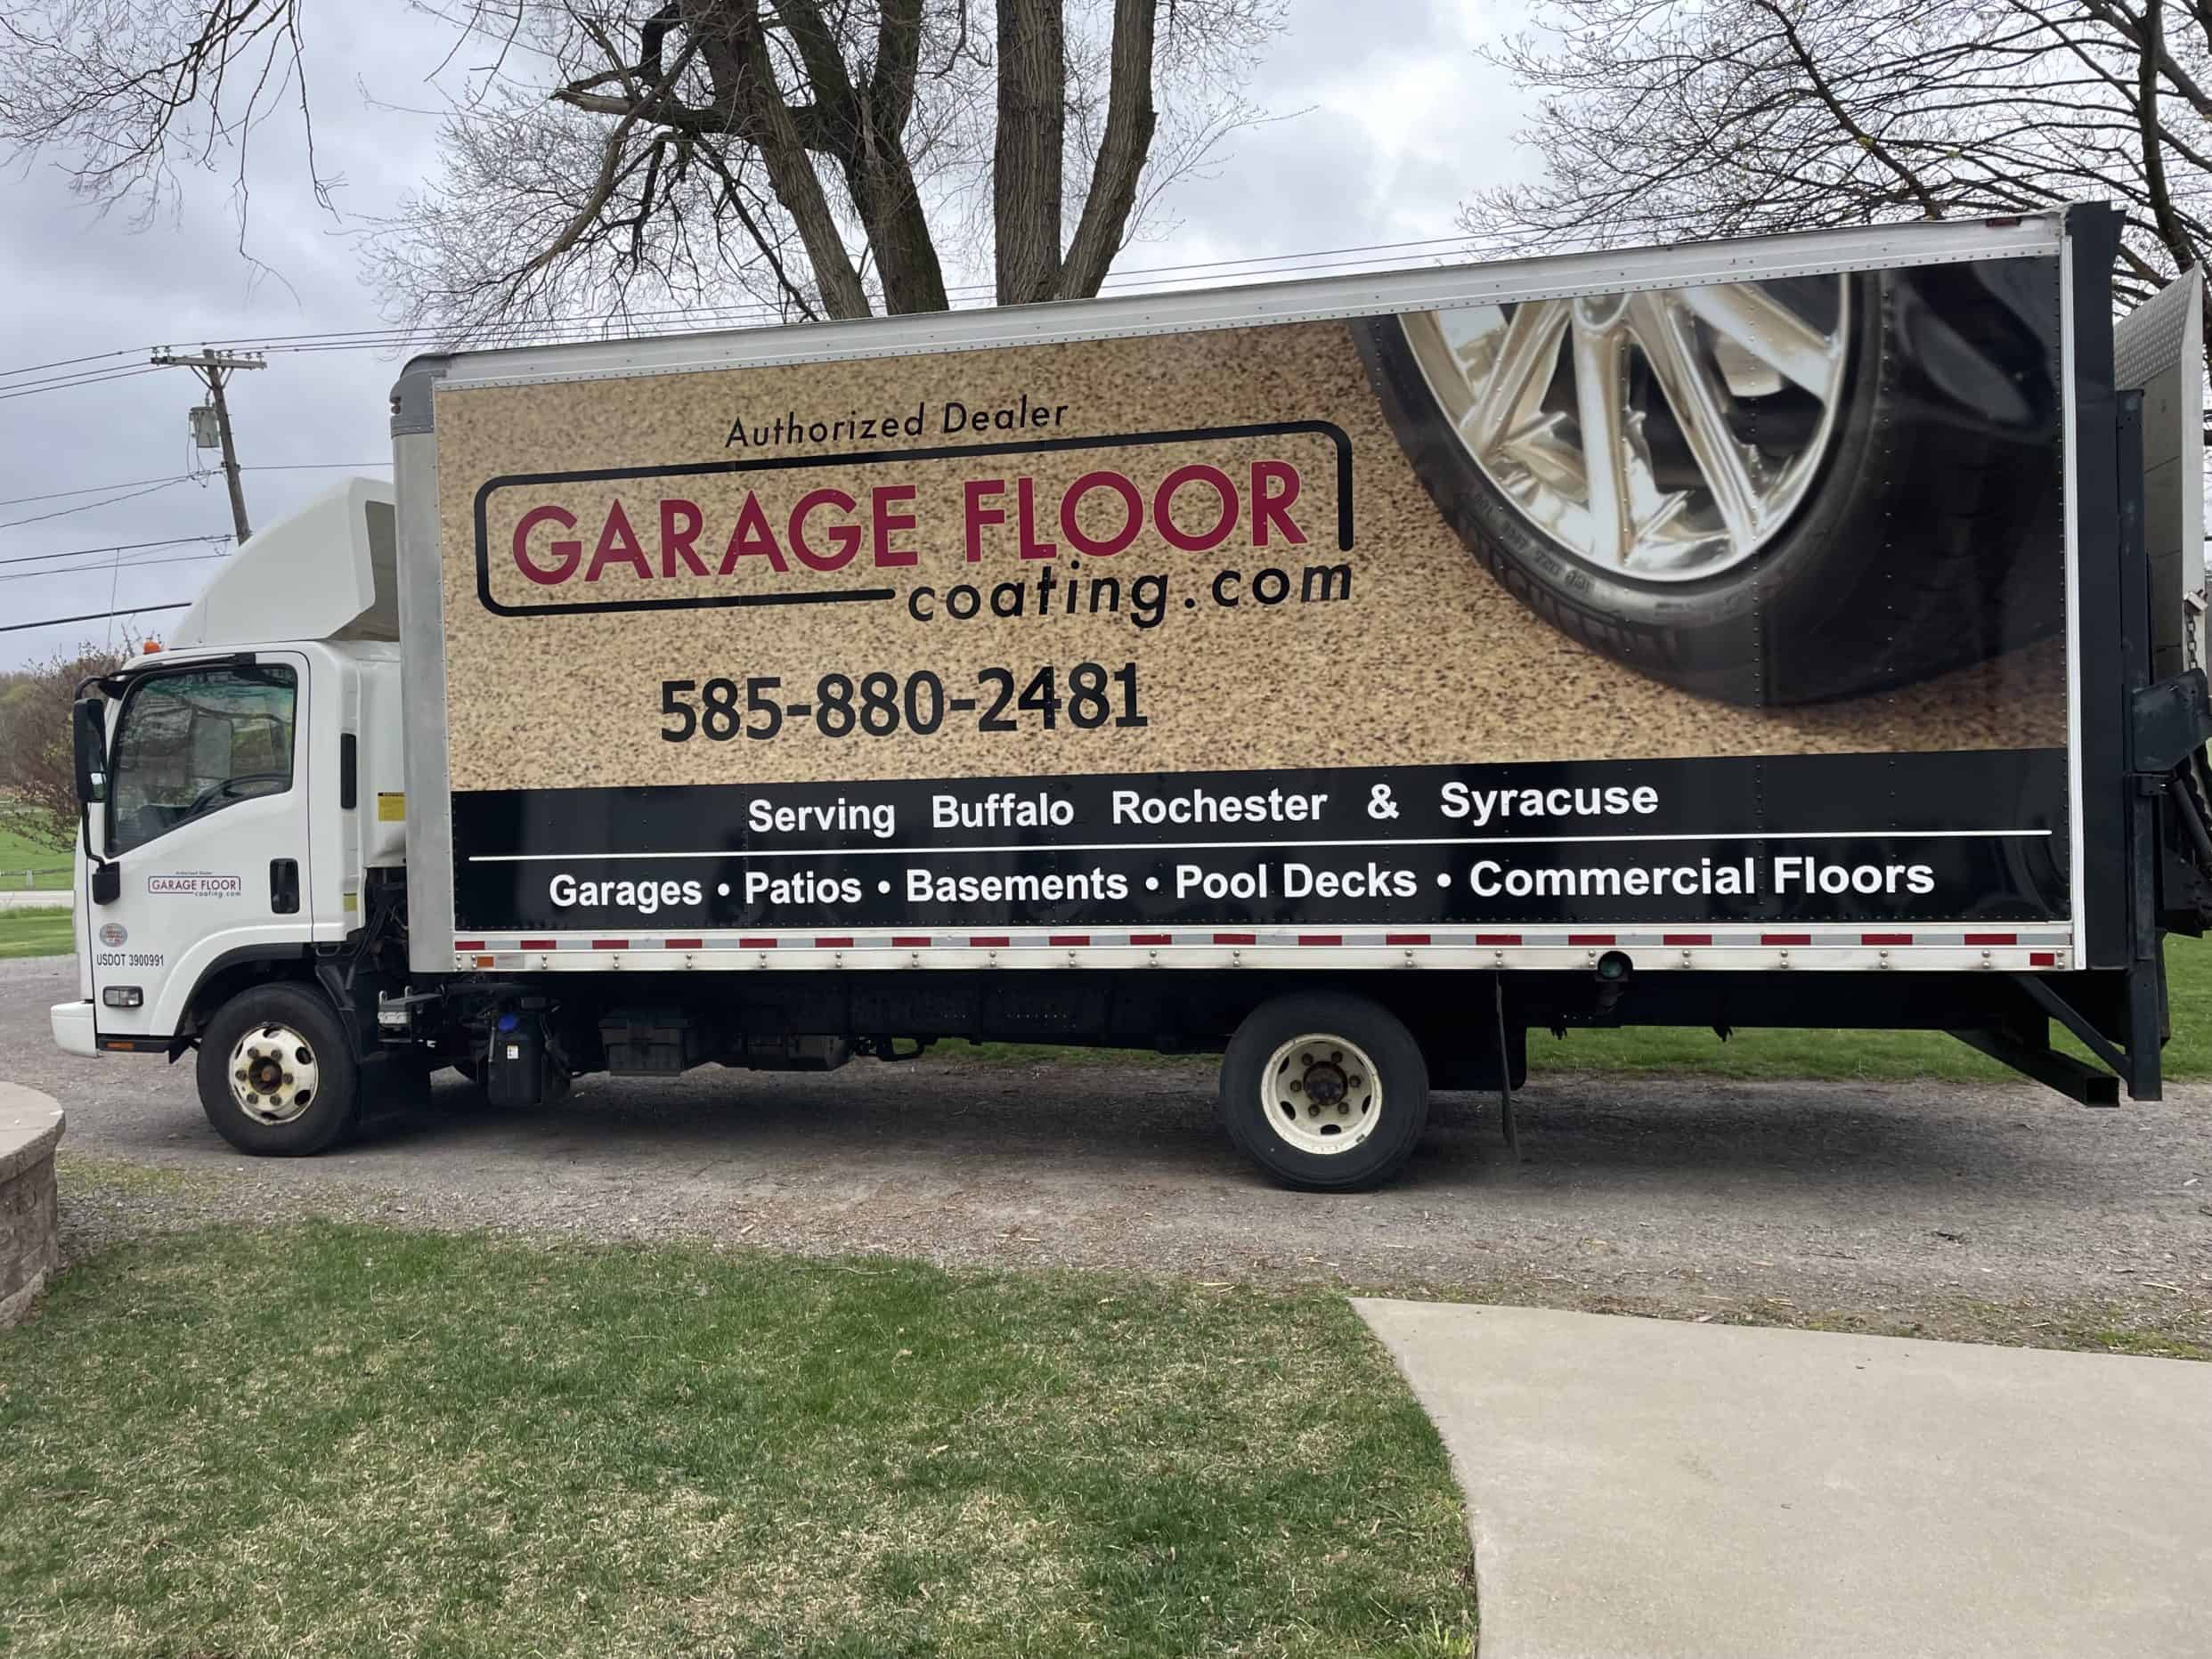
1993,939
1151,938
1236,939
1885,938
610,944
1068,939
1686,938
1320,938
989,939
539,944
1405,938
2043,959
683,944
910,939
1497,938
834,942
467,944
750,943
1589,939
1786,939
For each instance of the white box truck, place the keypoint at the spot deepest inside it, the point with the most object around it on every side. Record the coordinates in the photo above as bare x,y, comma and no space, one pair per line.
1346,677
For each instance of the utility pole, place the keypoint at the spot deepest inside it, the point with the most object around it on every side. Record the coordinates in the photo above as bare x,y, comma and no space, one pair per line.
215,368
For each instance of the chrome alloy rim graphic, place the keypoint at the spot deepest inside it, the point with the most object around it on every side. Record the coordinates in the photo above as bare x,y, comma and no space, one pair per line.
1665,436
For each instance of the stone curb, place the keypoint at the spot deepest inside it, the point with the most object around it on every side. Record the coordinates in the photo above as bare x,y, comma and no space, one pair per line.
30,1127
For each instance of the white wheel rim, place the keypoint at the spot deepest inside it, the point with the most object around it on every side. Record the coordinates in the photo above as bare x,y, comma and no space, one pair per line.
274,1074
1320,1093
1665,436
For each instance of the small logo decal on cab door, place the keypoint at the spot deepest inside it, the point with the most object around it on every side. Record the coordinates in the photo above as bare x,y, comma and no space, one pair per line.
197,881
113,934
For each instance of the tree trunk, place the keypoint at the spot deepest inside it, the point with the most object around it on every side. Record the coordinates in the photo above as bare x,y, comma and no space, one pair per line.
890,203
1025,167
744,82
1122,147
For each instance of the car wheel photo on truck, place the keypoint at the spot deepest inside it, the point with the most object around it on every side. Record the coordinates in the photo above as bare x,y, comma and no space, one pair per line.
1324,1092
1706,483
277,1076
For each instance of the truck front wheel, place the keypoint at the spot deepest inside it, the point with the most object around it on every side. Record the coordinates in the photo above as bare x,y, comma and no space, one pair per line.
1325,1092
277,1076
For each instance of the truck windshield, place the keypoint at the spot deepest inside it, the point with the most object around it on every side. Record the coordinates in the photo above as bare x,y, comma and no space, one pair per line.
196,740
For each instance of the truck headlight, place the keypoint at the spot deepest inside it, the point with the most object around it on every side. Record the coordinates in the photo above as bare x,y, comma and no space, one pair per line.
123,997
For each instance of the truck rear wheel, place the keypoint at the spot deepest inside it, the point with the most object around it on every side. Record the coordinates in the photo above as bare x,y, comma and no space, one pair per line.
277,1076
1325,1092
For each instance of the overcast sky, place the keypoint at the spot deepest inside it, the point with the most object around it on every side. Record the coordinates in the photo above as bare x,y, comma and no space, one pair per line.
1388,120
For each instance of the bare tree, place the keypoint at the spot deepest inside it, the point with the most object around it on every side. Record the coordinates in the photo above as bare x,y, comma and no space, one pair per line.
37,769
813,158
1667,119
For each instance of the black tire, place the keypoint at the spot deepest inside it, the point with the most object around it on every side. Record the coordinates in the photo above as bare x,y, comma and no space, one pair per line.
1927,541
1399,1069
335,1103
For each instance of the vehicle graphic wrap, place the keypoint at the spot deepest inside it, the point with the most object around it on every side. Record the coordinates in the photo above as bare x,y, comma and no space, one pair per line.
1741,603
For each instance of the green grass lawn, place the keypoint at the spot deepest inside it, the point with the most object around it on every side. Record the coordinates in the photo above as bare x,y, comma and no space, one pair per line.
35,932
49,865
344,1440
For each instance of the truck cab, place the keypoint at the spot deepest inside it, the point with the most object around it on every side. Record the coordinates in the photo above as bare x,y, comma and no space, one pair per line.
241,785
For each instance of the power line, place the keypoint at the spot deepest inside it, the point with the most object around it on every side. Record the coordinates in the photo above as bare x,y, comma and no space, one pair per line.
64,384
121,547
94,616
64,362
351,339
120,563
87,507
132,484
85,489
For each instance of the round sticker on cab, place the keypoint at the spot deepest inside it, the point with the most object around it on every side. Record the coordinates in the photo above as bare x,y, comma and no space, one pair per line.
113,935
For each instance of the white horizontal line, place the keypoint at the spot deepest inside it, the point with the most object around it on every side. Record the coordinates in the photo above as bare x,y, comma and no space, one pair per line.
1240,846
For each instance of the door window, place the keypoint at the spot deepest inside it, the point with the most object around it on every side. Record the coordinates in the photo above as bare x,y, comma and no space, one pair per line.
191,743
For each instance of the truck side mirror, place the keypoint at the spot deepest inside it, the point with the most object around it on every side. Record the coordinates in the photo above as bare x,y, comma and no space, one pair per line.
91,729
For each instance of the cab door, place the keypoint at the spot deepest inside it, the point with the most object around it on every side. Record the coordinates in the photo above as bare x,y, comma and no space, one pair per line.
207,821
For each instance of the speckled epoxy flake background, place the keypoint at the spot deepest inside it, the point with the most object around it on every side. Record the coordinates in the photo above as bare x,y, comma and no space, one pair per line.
1428,662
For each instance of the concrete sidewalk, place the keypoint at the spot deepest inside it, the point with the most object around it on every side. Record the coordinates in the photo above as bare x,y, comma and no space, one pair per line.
1644,1488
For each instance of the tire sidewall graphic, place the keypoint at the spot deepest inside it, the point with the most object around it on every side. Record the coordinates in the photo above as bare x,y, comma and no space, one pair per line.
1892,568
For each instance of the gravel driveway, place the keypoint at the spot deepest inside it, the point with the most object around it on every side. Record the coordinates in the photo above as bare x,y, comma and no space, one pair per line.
1944,1208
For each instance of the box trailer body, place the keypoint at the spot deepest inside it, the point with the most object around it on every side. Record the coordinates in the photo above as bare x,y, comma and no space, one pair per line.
1346,675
